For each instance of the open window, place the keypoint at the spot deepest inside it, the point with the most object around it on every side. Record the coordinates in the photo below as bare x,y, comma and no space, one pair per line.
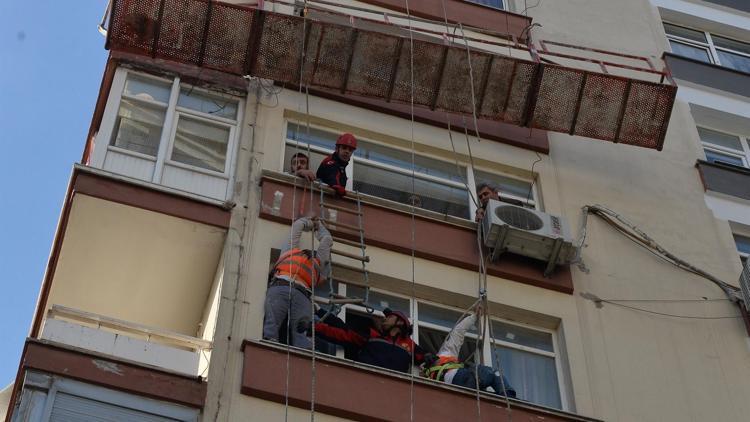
528,355
386,172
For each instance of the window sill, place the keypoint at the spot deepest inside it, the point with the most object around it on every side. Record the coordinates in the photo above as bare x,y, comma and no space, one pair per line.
440,238
388,392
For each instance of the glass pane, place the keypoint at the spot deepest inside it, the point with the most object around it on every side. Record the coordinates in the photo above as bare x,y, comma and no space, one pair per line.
138,127
321,138
402,159
379,301
734,61
398,187
497,4
718,157
207,104
683,32
534,377
689,51
743,243
522,336
731,44
506,185
719,138
147,89
440,316
431,340
200,144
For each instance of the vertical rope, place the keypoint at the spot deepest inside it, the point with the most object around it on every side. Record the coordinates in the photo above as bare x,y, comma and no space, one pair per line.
413,303
289,334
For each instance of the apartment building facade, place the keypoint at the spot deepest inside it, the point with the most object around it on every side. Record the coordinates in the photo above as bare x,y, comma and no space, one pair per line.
151,307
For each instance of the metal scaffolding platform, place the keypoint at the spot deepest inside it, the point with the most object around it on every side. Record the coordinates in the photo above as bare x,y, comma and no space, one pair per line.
364,57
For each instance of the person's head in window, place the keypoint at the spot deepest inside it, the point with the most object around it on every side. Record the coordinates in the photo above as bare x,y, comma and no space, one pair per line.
485,192
332,170
395,323
345,146
300,166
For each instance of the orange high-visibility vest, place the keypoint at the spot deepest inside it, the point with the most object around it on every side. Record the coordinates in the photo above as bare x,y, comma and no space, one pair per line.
297,265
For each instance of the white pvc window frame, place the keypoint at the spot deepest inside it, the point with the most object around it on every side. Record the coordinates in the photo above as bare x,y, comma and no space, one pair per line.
532,201
115,398
743,154
169,128
709,46
487,352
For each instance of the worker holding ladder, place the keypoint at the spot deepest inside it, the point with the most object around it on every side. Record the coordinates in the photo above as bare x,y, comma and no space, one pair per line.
291,281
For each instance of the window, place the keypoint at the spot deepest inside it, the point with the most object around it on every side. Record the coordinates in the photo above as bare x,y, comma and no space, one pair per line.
709,48
743,247
528,359
724,148
497,4
165,132
528,355
386,172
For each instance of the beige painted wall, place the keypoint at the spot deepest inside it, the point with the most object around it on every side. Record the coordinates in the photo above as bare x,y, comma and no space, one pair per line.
624,365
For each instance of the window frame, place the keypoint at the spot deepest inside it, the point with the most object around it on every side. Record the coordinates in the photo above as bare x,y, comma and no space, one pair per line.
743,154
172,113
709,45
115,398
468,170
503,5
744,256
487,350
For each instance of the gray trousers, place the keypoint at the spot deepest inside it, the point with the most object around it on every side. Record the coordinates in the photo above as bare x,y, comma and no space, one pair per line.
280,301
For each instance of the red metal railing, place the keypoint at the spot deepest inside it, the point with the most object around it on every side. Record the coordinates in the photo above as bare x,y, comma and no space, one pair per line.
364,57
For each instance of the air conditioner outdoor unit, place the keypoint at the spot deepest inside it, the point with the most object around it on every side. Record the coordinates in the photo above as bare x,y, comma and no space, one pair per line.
527,232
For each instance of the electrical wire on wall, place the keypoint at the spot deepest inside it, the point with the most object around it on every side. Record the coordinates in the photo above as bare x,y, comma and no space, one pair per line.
643,240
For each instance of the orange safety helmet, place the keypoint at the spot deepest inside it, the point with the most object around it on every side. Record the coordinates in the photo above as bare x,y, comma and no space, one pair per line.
347,139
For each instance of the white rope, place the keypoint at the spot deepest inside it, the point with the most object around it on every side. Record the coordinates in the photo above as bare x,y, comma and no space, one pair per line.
289,334
413,303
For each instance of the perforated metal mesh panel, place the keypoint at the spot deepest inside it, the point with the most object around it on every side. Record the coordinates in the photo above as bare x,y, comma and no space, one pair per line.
228,38
599,110
375,60
557,98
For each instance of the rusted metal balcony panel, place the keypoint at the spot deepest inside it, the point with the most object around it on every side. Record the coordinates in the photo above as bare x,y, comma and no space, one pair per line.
368,58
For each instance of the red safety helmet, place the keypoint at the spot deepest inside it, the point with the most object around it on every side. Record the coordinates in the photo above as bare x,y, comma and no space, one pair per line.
400,315
347,139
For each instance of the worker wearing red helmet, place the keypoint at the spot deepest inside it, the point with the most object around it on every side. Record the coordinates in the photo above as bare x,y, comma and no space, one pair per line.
332,170
387,344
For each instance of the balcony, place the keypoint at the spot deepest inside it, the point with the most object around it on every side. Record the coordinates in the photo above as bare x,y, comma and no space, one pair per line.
125,340
134,270
725,178
387,396
741,5
622,102
709,75
385,223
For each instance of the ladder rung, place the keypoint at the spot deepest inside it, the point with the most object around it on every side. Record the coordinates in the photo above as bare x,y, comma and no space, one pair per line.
344,209
342,301
341,225
350,255
349,242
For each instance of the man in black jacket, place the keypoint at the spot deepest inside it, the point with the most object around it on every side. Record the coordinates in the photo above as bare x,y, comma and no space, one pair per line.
332,170
386,345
